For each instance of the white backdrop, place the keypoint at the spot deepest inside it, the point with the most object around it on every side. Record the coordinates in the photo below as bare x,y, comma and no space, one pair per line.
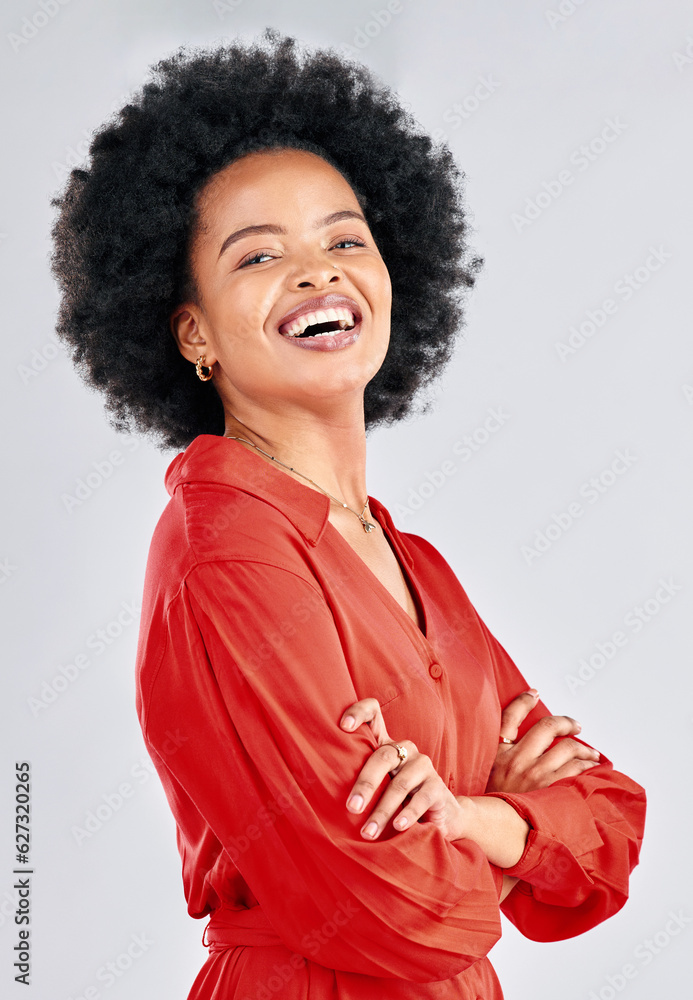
553,469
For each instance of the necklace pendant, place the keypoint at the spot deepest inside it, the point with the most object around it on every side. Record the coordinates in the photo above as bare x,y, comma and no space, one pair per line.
367,526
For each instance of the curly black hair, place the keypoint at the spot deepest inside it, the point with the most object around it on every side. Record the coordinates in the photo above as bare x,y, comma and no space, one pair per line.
126,223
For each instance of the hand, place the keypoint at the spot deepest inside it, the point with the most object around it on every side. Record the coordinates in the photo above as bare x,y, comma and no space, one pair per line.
530,764
414,780
493,824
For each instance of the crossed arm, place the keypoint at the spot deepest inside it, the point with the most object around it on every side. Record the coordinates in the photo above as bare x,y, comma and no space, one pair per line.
275,736
418,793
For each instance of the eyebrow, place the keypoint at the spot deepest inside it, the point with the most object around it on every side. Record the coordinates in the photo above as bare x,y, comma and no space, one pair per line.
274,230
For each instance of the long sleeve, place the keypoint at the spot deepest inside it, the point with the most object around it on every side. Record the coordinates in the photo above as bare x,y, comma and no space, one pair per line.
584,840
251,666
585,832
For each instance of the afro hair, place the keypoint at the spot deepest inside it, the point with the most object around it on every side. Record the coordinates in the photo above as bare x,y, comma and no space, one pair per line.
127,221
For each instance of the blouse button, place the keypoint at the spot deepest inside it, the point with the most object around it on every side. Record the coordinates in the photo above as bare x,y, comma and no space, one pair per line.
451,784
435,670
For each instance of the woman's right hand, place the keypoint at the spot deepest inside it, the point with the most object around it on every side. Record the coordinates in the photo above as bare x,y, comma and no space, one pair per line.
532,762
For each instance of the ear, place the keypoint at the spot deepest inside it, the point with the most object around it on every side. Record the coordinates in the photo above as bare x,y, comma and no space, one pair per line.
185,325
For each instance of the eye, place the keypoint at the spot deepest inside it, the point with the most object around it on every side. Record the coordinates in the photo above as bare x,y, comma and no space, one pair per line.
351,240
256,258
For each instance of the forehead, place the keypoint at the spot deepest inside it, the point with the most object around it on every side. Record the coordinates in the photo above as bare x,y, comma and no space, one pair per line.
272,181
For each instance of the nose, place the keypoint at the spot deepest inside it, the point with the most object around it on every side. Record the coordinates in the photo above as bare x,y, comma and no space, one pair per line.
315,272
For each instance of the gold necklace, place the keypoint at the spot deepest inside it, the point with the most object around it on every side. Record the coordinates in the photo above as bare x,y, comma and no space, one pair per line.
367,525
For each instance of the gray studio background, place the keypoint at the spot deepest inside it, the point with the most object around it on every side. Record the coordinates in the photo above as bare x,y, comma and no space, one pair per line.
577,350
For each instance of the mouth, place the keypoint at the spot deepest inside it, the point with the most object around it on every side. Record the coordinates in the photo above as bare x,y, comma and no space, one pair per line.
321,323
328,323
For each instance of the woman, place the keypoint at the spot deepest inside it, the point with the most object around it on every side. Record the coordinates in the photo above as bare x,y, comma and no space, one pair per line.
263,260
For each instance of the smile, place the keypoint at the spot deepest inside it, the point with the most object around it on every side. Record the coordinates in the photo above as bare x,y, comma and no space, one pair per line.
326,323
320,323
326,340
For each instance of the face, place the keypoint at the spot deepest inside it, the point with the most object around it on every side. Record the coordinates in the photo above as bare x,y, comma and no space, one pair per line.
283,253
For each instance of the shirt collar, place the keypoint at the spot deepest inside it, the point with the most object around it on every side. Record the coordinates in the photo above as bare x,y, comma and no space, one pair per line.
212,458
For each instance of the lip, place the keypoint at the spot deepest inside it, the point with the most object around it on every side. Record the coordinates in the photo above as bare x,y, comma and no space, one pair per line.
331,301
328,342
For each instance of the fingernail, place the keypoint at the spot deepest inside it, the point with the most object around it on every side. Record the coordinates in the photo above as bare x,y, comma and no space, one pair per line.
349,722
355,803
401,822
370,830
534,693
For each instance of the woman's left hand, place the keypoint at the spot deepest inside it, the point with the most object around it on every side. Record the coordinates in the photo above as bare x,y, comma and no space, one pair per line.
415,780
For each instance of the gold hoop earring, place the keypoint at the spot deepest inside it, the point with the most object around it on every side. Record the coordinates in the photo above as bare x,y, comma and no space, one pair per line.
198,368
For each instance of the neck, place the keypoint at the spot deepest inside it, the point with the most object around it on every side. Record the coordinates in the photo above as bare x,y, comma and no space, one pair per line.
327,448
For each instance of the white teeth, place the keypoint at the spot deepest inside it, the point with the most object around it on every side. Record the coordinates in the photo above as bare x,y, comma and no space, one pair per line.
344,317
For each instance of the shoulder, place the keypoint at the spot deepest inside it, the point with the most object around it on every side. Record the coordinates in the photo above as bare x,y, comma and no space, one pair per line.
422,549
211,522
428,560
212,543
229,504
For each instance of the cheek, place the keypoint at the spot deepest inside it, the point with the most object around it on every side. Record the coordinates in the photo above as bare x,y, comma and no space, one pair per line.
240,315
374,282
385,286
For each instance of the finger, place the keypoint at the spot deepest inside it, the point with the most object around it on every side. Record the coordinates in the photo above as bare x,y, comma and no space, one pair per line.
565,751
375,770
366,711
428,798
411,794
574,768
542,734
516,712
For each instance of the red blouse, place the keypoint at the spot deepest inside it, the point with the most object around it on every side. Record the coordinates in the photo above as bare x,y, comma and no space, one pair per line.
260,625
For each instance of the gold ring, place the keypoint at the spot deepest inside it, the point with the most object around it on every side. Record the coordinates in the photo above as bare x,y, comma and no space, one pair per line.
504,739
402,753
